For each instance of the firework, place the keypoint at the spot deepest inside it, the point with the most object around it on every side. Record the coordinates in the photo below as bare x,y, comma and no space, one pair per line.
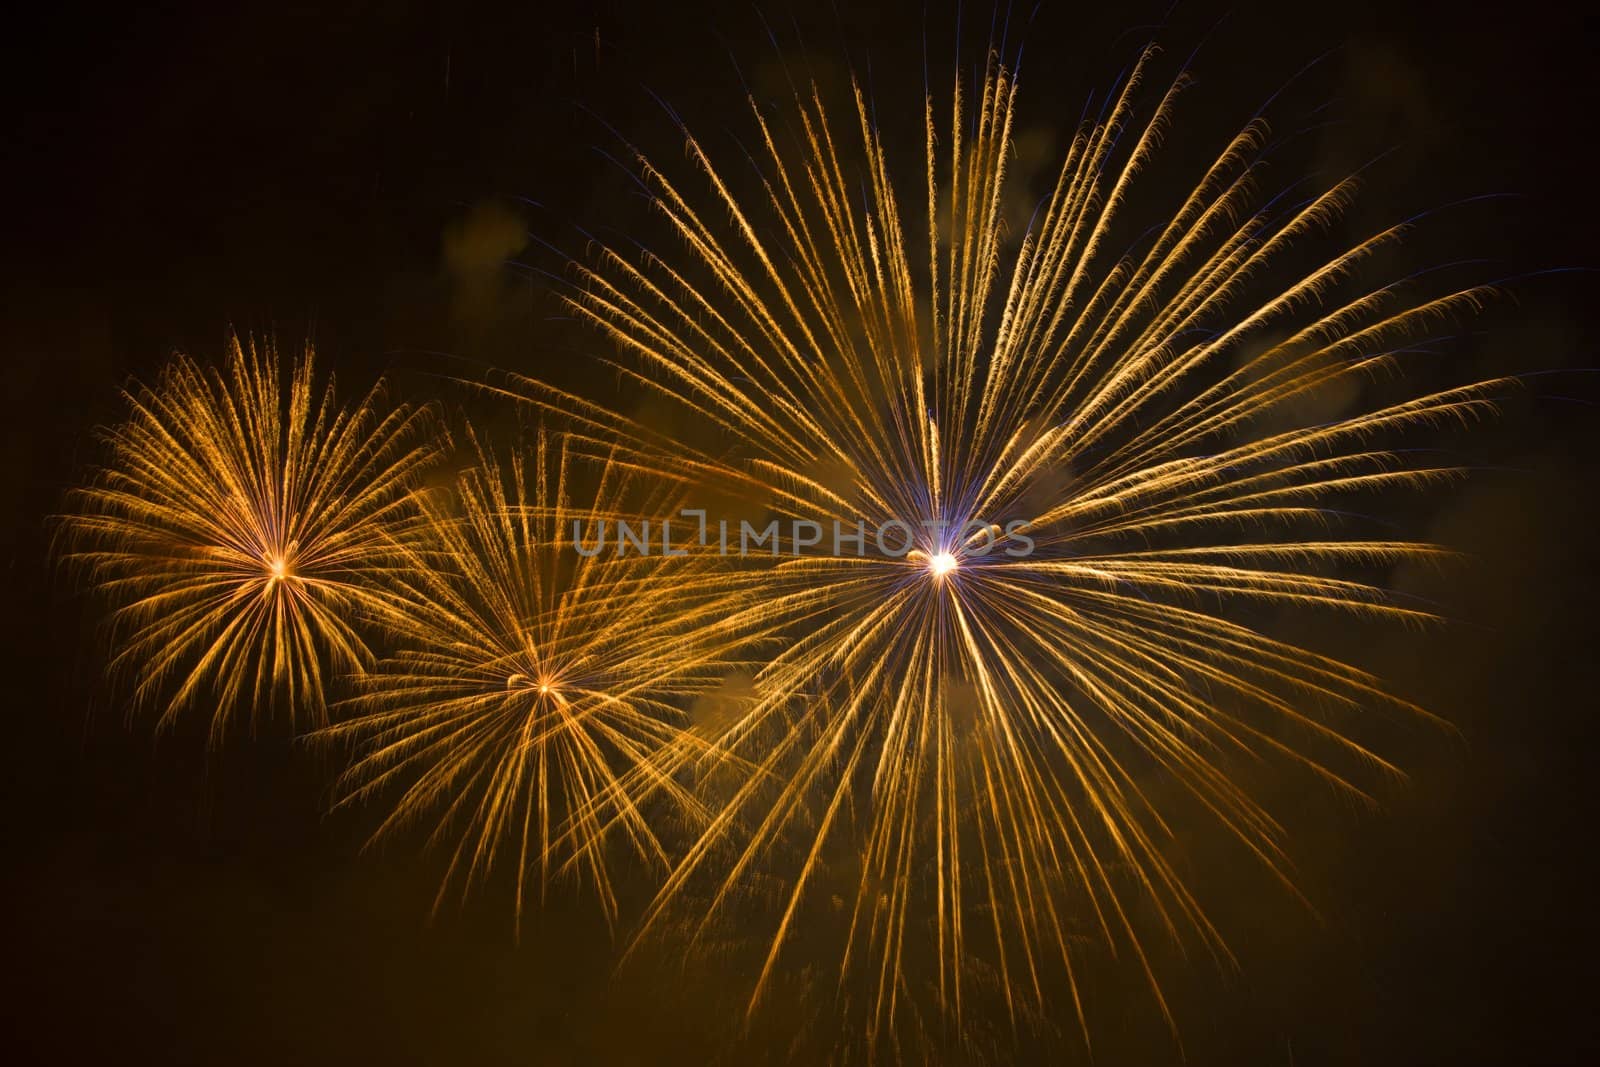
960,749
533,712
243,529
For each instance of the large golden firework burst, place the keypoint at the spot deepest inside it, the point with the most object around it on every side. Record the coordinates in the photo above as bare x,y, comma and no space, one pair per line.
242,527
958,749
534,711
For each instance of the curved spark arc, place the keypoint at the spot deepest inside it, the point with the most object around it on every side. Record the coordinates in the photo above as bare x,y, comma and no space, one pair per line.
532,712
1124,410
243,530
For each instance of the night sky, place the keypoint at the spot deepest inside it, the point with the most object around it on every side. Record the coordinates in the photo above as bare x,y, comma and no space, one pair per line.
391,178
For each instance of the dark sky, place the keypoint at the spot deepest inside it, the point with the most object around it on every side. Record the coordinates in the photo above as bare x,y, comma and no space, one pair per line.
359,172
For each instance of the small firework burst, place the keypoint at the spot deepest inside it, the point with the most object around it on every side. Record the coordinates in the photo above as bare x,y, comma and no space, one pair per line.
534,710
243,529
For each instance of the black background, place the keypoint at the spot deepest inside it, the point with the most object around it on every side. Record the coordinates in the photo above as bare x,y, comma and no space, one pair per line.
347,170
